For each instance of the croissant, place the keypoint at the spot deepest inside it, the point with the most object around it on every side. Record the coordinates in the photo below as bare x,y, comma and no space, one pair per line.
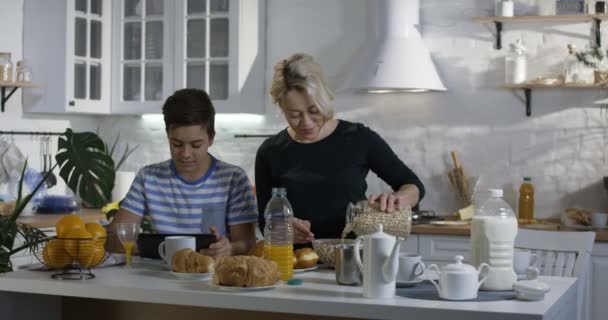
245,271
190,261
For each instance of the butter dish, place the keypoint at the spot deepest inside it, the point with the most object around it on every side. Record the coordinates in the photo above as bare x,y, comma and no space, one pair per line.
530,290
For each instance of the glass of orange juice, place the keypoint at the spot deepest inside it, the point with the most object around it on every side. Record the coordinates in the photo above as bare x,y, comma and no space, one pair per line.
127,234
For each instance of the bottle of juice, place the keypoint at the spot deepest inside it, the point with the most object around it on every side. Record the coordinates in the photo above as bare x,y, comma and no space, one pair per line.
526,202
278,235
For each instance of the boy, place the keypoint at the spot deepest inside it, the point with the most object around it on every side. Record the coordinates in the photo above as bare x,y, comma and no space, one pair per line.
194,192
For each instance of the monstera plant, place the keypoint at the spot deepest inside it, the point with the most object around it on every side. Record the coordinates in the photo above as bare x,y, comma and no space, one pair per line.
86,166
10,228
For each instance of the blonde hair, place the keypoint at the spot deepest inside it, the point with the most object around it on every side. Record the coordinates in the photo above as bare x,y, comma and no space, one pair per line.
302,73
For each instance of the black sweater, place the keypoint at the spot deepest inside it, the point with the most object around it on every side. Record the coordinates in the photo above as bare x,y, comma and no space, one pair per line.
321,178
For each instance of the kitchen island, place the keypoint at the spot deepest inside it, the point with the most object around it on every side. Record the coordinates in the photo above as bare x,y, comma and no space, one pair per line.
147,290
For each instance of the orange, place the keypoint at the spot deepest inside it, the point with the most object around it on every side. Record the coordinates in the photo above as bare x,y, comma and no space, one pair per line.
79,244
96,257
97,231
54,255
68,223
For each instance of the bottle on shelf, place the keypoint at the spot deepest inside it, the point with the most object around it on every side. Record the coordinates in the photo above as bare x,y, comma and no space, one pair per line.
525,211
6,67
493,232
516,63
278,234
571,70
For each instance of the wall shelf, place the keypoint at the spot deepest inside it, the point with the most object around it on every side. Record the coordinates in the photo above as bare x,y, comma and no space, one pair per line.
528,87
12,87
498,22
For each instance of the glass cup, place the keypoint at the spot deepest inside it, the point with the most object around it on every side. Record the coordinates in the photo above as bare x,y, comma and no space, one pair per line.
127,234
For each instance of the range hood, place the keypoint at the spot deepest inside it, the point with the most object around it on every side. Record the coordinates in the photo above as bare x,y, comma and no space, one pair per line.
395,59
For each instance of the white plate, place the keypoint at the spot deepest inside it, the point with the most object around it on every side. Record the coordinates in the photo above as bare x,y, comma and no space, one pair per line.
242,289
305,269
405,284
449,223
193,276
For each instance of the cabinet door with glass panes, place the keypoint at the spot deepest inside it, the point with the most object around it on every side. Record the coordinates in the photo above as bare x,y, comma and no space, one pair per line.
67,46
142,55
169,45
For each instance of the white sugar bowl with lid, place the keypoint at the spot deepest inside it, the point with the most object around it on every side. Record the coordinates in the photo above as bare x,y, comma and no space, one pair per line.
459,281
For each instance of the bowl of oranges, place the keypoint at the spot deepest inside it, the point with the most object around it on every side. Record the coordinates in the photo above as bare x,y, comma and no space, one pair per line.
76,249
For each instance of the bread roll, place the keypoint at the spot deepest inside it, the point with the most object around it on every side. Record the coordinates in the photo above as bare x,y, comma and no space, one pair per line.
190,261
258,249
245,271
305,257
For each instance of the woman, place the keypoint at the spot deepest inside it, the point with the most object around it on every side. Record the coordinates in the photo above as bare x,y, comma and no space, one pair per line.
323,161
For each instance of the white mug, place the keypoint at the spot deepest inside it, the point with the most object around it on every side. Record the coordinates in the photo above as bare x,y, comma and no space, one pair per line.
599,219
410,267
522,259
173,244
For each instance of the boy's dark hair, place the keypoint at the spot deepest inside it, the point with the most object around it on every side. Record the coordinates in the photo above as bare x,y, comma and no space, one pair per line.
188,107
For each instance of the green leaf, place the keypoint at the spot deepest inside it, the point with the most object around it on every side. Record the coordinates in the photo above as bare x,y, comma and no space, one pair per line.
86,166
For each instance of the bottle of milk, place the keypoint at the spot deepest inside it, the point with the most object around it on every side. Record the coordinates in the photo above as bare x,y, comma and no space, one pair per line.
493,232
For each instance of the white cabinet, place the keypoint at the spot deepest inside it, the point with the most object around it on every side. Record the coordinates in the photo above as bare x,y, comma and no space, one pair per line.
160,46
442,249
67,44
599,281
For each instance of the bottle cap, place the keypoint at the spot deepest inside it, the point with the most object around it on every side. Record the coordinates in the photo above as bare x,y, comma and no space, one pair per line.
527,178
496,193
279,191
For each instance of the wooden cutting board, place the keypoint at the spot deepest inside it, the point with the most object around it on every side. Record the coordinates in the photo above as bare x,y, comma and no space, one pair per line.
49,220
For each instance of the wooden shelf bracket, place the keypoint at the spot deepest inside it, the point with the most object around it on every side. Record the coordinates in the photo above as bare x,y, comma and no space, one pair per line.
5,96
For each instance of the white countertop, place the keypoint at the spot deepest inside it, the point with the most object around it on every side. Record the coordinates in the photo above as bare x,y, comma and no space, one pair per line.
318,295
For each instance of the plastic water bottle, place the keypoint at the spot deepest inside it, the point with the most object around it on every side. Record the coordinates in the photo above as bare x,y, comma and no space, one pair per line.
493,232
278,235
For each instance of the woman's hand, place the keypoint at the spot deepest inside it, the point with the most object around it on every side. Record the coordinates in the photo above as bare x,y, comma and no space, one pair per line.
301,231
407,195
387,202
220,248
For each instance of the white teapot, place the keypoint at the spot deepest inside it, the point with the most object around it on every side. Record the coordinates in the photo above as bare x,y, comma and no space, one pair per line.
381,257
459,281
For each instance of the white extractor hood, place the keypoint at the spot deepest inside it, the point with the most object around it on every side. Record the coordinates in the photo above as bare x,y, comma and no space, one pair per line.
395,59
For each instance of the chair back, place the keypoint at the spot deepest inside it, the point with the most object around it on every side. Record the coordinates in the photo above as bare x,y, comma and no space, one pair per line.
560,253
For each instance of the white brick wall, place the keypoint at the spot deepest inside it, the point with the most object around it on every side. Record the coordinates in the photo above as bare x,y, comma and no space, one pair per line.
562,146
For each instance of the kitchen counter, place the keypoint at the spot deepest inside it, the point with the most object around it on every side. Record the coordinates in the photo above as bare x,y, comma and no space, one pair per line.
317,296
49,220
464,230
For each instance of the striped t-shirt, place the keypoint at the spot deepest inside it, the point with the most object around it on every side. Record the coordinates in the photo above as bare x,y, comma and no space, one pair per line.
221,198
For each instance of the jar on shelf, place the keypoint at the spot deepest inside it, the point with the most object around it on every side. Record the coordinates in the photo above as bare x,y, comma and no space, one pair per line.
546,7
6,67
571,70
516,63
24,73
506,8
